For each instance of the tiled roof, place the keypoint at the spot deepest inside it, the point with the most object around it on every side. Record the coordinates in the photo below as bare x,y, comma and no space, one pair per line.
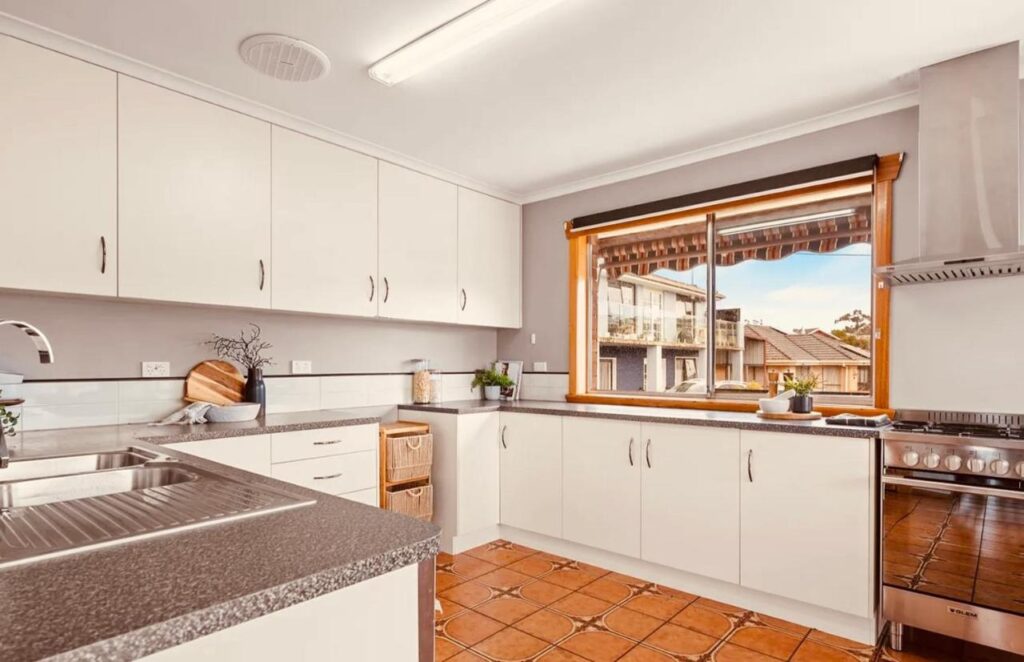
815,345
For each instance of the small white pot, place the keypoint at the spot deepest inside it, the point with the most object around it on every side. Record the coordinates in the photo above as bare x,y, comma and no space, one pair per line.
492,392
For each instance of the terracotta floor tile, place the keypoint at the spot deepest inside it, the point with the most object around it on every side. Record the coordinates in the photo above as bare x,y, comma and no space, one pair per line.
813,651
597,646
645,654
674,639
631,623
448,608
533,566
501,552
560,655
468,594
708,603
658,606
776,643
445,580
706,621
469,628
508,610
445,648
734,653
542,592
836,642
467,656
581,606
607,589
443,557
471,567
547,625
793,628
503,578
571,578
511,645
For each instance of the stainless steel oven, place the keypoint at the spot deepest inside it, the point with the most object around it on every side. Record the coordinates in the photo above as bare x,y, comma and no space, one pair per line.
953,527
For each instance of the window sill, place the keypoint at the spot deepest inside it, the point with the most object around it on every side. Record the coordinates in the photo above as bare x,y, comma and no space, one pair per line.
714,405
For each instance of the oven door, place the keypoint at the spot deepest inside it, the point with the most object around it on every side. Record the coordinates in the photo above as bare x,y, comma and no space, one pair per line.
959,544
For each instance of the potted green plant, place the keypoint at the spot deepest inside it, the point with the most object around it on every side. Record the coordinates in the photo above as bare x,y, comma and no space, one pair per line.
802,402
493,382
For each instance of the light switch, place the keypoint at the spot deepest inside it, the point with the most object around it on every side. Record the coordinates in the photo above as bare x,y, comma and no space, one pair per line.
302,367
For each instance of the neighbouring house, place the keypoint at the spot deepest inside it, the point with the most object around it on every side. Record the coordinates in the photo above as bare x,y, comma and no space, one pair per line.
651,334
770,355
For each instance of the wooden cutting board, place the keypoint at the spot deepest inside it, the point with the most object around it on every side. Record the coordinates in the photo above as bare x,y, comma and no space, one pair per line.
790,416
218,382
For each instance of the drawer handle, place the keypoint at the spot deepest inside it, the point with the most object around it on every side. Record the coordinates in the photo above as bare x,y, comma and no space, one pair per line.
373,288
263,275
387,289
327,443
647,453
103,263
465,299
414,447
503,444
631,451
337,475
750,468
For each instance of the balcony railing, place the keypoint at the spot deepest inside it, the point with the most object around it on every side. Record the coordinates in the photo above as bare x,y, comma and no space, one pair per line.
643,324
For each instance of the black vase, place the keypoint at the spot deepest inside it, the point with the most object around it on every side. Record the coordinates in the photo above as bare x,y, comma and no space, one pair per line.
256,389
801,404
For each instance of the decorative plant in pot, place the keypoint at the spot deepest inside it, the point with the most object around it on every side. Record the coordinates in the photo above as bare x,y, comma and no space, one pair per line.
493,382
9,420
247,350
802,402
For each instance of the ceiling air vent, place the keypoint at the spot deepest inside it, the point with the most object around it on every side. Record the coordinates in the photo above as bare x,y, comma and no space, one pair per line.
284,58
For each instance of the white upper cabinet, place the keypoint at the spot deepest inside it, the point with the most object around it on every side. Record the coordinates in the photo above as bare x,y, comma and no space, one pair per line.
806,519
58,171
531,472
419,247
324,227
691,499
194,195
490,260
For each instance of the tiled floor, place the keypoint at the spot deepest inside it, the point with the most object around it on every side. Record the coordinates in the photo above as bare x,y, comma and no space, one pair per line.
505,602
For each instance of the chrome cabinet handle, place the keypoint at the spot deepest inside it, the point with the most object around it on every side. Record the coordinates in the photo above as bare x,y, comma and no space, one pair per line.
387,289
503,444
631,451
373,288
263,275
750,469
327,443
103,247
647,453
338,475
464,298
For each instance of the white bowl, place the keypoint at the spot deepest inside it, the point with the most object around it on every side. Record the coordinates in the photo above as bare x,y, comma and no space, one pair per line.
772,406
241,411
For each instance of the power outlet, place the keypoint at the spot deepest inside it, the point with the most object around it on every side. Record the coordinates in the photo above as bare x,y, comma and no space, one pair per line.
540,366
302,367
156,369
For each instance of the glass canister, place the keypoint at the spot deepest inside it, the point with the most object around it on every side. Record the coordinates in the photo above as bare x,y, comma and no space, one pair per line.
436,393
421,382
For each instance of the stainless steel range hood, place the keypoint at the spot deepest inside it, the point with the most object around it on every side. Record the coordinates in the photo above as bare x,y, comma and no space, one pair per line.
970,189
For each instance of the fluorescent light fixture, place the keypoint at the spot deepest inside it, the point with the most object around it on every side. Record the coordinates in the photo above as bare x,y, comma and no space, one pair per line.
795,220
459,34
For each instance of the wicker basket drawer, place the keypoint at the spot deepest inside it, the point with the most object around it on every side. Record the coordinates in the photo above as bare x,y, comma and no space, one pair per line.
415,502
410,458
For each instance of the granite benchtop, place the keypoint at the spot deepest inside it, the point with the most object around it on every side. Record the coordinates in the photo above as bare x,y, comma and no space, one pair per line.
133,599
722,419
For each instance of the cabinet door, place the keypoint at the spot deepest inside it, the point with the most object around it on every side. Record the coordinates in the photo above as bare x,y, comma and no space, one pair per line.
489,260
251,453
805,528
477,471
324,227
58,171
691,499
194,195
418,246
601,488
531,472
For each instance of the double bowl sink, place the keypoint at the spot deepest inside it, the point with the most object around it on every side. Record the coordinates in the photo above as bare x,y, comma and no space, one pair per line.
51,506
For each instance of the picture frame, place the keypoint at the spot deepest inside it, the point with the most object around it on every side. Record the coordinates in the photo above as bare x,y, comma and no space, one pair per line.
514,369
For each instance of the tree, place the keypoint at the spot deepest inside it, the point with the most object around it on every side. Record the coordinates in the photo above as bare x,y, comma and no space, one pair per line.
856,329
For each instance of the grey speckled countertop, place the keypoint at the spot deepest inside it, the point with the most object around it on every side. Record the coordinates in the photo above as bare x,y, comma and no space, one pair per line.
721,419
136,598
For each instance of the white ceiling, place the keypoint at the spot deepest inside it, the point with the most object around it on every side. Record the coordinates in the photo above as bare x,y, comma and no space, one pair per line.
587,88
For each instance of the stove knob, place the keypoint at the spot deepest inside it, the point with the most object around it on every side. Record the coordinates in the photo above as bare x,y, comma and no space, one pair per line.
1020,468
1000,467
976,465
931,460
910,458
953,462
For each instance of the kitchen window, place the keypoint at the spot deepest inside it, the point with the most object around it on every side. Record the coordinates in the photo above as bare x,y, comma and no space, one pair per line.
728,298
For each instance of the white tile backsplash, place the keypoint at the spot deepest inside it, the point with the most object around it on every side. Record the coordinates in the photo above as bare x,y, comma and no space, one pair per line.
544,386
63,393
45,417
286,394
149,390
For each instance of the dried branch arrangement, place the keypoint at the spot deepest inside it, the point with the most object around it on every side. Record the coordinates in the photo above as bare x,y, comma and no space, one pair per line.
246,350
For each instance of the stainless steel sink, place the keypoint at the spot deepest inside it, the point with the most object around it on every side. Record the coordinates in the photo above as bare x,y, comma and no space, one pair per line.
63,465
117,498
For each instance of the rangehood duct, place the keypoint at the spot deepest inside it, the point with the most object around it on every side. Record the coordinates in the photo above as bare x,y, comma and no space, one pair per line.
970,189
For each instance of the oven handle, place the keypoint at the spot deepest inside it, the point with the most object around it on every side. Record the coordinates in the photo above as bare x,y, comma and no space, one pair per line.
952,487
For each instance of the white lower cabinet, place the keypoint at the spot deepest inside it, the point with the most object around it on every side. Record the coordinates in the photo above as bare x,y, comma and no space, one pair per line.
601,504
341,461
806,513
531,472
691,499
251,453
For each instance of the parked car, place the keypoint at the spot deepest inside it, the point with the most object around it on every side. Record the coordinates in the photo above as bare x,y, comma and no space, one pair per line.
700,386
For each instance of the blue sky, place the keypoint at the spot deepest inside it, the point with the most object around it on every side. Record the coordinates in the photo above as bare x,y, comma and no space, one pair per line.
802,290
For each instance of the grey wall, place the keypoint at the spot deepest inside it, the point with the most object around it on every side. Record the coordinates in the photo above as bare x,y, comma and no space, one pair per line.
97,338
955,346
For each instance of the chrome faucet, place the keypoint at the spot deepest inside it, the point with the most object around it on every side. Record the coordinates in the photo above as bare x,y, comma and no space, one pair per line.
42,344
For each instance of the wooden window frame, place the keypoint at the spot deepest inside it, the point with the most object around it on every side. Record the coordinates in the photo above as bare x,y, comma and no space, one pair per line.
886,171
